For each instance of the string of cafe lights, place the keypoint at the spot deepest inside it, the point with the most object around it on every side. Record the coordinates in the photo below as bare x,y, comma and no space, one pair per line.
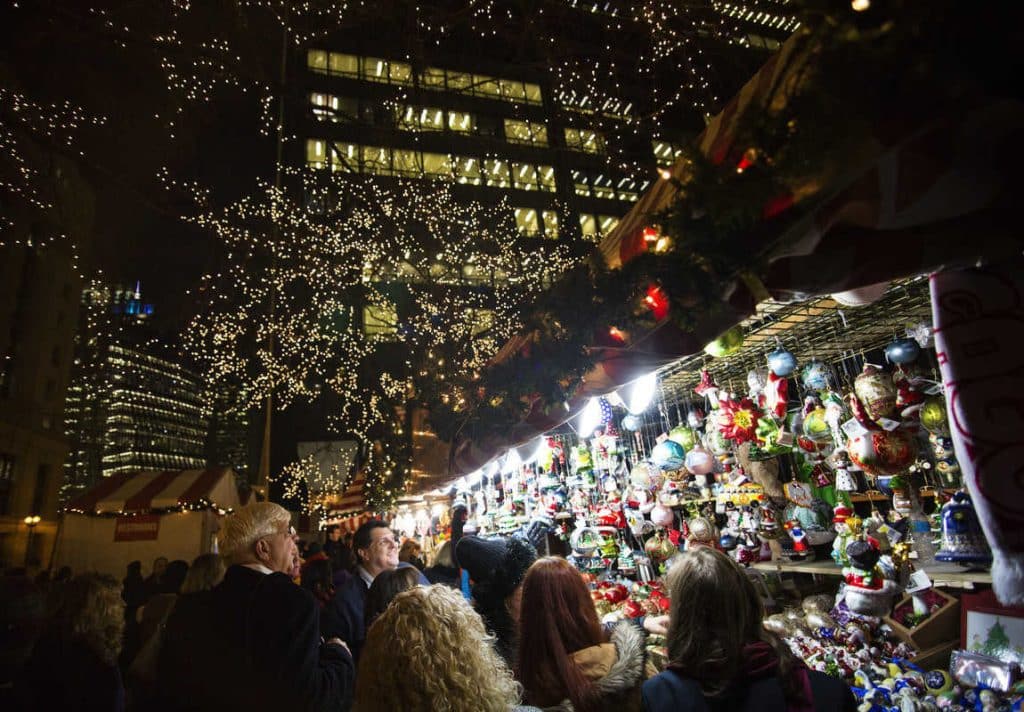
285,315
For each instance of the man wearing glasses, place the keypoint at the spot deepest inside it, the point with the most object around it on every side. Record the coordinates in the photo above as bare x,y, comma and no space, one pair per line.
253,642
376,550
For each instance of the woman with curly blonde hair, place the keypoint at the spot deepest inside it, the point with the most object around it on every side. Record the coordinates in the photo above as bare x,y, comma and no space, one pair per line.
74,663
429,652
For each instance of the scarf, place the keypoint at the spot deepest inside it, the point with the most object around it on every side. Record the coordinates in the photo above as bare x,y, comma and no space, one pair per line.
759,662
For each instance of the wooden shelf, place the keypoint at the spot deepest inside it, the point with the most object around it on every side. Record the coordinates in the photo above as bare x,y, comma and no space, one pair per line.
940,574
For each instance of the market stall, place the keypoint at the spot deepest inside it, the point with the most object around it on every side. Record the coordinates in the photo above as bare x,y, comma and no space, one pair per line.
143,515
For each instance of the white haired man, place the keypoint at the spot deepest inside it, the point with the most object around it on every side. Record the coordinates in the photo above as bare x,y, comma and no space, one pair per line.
253,642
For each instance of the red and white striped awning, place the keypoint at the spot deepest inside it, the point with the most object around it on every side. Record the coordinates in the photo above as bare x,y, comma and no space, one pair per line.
351,500
155,491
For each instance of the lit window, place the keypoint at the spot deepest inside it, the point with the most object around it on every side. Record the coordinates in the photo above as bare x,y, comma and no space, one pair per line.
316,153
406,163
581,182
432,78
400,72
486,86
377,160
666,153
437,164
525,177
532,93
588,227
461,121
344,64
375,69
480,320
512,90
380,320
338,109
526,132
547,178
431,119
316,60
550,218
584,140
526,222
497,174
607,223
601,187
459,82
467,170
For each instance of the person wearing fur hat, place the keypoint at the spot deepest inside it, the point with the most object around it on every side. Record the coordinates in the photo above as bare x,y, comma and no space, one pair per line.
564,663
497,567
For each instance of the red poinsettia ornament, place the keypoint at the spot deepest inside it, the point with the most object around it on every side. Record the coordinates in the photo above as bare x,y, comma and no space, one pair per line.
737,420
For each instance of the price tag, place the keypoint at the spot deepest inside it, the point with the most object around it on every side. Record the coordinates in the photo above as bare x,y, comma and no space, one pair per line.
919,581
889,424
853,429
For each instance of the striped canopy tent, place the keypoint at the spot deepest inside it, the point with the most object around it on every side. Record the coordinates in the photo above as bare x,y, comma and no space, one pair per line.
144,492
930,189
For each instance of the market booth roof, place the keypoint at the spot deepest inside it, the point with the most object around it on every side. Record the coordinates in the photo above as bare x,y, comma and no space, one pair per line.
931,188
143,492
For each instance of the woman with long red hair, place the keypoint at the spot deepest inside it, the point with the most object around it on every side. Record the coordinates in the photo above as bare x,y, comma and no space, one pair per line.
564,660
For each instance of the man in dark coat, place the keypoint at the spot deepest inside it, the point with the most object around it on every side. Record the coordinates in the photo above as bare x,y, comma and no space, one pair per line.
253,642
376,550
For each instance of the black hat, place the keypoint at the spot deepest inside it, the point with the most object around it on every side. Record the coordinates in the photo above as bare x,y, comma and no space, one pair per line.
499,563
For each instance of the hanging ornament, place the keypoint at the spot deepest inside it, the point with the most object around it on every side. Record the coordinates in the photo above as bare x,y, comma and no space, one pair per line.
902,351
699,461
737,420
606,411
845,481
695,418
662,516
946,463
862,296
776,394
815,375
933,415
877,451
657,301
717,443
781,362
921,333
668,455
875,389
963,540
641,474
707,387
727,344
757,380
816,426
631,423
685,436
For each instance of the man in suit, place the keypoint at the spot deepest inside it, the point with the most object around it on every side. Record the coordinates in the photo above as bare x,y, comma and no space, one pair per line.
376,550
253,642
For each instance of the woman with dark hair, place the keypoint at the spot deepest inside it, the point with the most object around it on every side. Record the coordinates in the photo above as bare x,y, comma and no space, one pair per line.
73,665
563,657
720,655
317,579
384,588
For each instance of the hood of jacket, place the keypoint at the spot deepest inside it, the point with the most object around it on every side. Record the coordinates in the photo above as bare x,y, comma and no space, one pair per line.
621,666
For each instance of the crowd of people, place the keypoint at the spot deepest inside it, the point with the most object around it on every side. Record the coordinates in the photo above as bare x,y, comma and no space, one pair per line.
364,624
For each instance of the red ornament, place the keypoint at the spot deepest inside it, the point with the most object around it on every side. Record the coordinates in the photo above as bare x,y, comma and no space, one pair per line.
657,301
738,420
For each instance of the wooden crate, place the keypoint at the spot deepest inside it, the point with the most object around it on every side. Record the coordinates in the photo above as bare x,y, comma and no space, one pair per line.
940,627
936,658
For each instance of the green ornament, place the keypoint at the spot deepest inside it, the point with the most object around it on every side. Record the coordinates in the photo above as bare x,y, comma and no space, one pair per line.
933,416
727,344
687,437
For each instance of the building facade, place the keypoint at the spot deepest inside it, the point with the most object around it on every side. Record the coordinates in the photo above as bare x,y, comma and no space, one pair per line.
131,406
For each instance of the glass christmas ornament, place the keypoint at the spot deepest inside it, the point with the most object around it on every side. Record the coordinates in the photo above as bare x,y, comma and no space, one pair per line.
699,461
687,437
662,516
815,376
933,415
963,540
695,418
727,344
883,452
781,362
640,475
717,443
757,379
902,351
876,391
631,423
816,426
668,455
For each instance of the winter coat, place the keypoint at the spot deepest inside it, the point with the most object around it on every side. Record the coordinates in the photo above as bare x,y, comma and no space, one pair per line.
66,674
616,669
668,692
447,575
251,643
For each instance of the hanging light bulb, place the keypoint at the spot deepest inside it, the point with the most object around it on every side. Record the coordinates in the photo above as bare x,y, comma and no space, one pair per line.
590,418
641,393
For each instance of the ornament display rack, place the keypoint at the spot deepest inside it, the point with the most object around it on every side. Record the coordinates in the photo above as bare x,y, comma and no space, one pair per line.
817,328
948,575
